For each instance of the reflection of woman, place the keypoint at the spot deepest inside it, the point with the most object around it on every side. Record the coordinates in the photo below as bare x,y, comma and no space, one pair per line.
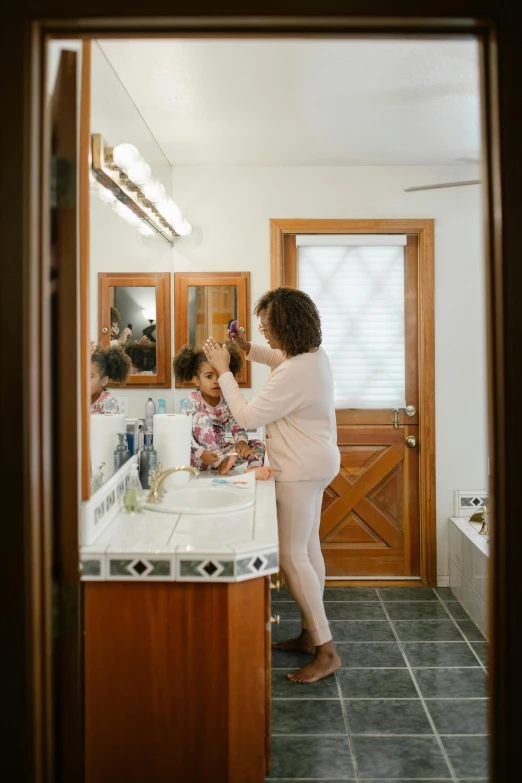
115,329
298,408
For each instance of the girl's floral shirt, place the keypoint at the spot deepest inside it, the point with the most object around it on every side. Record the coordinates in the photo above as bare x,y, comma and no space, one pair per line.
105,403
219,419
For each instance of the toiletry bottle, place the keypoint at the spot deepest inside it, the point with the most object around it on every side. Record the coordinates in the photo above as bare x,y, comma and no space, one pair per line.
121,453
162,406
97,480
132,430
148,461
133,497
150,410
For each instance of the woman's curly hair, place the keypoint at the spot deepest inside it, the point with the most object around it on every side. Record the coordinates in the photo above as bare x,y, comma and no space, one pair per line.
113,363
293,319
115,316
189,360
142,355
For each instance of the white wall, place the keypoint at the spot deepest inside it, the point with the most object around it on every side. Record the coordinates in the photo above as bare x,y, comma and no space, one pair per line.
115,246
229,209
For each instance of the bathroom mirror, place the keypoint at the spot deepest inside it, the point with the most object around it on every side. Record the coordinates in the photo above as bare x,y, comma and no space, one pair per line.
205,303
134,313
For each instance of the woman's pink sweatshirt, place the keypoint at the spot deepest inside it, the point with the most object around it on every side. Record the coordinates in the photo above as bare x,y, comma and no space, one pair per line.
297,407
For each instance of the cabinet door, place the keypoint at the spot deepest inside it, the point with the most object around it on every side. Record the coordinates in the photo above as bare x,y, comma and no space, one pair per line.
268,675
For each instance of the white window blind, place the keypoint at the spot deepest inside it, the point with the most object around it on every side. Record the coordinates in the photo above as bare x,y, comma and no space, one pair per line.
359,292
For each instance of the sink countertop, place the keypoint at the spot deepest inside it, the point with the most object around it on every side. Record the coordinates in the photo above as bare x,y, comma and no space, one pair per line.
158,546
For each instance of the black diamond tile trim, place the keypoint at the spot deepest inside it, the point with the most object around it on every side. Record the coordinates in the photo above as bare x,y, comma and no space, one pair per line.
258,563
210,568
140,568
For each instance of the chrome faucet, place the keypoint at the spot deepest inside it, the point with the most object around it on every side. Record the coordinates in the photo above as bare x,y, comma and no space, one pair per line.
157,480
484,530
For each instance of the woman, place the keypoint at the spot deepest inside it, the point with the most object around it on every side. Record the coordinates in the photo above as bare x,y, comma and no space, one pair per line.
298,408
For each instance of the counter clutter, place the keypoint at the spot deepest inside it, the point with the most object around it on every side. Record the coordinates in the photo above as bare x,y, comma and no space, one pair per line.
153,546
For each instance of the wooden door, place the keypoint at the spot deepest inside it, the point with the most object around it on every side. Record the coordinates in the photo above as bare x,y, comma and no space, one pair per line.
62,236
370,523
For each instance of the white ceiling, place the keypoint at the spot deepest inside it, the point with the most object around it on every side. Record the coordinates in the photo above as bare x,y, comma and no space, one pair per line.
305,103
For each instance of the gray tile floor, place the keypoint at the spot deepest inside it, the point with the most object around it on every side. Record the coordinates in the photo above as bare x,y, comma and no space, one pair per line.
409,703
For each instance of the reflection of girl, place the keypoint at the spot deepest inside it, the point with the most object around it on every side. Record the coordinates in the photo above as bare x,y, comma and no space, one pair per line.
211,416
107,364
297,405
142,356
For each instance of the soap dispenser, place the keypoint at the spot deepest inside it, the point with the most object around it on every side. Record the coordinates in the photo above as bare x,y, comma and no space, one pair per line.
133,497
121,453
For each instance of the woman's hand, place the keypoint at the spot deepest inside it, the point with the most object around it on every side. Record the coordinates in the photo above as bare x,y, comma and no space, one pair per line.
217,355
244,450
124,336
239,339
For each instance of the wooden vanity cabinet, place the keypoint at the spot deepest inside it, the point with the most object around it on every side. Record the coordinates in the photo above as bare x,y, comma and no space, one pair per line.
177,681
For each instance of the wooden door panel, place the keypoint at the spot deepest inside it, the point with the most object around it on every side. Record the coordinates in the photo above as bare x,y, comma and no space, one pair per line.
370,516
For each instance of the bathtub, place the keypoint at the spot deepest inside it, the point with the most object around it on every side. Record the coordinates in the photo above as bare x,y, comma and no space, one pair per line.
468,568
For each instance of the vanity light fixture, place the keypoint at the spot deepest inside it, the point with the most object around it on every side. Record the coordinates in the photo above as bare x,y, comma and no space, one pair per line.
120,176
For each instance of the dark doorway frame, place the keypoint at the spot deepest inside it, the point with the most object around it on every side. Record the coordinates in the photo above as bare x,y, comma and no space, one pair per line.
28,701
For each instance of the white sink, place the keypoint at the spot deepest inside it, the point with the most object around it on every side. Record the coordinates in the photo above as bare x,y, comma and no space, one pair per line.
204,500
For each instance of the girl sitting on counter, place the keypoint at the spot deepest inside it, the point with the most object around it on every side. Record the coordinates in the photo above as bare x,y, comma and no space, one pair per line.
107,364
211,416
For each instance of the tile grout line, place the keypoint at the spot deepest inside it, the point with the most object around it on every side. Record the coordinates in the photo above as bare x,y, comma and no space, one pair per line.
484,668
421,697
347,726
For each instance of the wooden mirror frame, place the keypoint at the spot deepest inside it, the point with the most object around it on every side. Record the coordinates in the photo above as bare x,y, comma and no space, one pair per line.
161,282
184,280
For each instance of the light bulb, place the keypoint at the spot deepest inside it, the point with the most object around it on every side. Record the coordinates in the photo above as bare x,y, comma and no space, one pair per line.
124,155
170,211
154,191
149,314
106,195
139,173
127,214
146,230
184,229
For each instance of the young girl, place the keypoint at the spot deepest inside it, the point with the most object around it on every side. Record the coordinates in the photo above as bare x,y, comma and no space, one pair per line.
211,416
107,364
143,357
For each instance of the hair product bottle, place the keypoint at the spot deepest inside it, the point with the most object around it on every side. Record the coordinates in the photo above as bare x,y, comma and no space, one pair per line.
121,453
148,461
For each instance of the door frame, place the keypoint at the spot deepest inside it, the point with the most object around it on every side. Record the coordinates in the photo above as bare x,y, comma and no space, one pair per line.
283,272
24,296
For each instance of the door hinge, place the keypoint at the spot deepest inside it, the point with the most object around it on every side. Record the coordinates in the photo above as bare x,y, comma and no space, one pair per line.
65,610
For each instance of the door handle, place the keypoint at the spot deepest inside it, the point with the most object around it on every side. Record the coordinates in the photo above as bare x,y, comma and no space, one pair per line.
395,412
411,441
410,410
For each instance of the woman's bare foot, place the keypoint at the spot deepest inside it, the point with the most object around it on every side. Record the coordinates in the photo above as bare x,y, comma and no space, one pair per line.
302,643
262,473
226,464
325,662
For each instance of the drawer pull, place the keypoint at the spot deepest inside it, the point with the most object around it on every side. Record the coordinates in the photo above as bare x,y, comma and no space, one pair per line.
276,619
275,585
